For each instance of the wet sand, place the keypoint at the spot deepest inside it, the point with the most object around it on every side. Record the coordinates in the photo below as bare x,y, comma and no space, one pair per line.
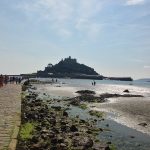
128,111
123,117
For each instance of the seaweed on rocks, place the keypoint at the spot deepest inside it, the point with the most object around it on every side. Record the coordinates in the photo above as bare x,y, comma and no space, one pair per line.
86,92
108,95
86,98
51,128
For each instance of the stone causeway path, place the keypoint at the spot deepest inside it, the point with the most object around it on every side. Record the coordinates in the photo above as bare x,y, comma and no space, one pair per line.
10,111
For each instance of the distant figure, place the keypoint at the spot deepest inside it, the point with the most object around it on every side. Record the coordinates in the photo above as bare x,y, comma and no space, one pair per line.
1,80
10,79
13,79
19,80
56,80
16,80
6,78
52,80
94,83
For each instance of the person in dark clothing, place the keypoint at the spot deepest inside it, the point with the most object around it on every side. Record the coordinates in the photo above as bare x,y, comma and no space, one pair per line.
6,78
13,79
16,80
1,80
19,80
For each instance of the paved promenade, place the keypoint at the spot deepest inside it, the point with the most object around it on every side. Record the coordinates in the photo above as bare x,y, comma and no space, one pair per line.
10,110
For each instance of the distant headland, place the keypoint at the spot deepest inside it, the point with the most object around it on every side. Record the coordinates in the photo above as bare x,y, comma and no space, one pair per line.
70,68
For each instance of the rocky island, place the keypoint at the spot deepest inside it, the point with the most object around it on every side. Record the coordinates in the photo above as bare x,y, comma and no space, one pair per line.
70,68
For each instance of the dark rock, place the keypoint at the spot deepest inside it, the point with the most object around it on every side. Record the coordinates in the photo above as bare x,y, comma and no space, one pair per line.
60,140
53,148
107,148
58,86
85,98
57,108
100,129
143,124
35,139
75,102
52,121
108,95
85,92
132,137
45,123
89,132
38,128
82,121
73,128
51,134
55,130
65,114
77,134
54,141
107,125
126,91
89,143
63,123
63,128
44,136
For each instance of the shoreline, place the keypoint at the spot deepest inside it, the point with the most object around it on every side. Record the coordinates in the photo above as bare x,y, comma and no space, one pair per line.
130,112
124,109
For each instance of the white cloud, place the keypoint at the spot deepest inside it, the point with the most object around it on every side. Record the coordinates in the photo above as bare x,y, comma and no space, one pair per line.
134,2
60,15
50,10
85,21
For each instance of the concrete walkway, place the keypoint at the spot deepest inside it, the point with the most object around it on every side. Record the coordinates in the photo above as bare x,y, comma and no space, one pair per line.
10,110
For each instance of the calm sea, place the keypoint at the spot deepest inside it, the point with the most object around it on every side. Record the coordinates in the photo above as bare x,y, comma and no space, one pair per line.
104,86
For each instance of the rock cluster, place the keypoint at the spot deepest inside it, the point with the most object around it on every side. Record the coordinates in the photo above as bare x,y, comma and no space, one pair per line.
55,130
89,96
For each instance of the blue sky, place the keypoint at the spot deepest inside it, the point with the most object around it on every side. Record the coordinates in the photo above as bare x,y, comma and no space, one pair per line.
112,36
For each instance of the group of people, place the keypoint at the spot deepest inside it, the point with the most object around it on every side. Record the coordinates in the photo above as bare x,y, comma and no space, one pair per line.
93,83
5,79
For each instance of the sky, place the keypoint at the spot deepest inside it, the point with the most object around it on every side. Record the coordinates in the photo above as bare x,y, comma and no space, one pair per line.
111,36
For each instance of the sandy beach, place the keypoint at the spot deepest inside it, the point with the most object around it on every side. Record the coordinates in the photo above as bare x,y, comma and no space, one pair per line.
128,111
